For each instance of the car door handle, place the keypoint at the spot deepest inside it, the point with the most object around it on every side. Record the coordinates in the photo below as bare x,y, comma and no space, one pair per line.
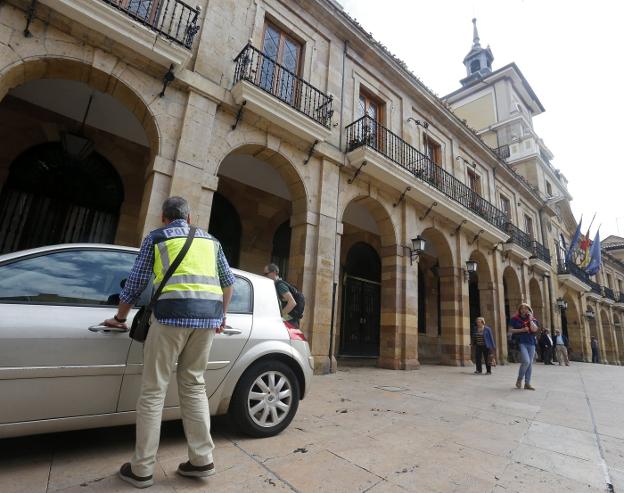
106,328
230,331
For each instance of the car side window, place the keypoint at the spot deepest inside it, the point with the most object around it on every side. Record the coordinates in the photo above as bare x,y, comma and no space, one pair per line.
242,298
74,277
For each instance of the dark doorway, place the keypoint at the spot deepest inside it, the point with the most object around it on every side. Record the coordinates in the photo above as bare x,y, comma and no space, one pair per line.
361,302
225,226
281,248
564,323
474,300
422,301
50,198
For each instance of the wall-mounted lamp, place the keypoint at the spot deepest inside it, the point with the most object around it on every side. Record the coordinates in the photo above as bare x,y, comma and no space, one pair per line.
423,123
418,246
562,304
590,315
471,266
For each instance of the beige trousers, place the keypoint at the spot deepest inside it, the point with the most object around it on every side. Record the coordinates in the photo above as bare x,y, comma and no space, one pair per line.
562,354
166,345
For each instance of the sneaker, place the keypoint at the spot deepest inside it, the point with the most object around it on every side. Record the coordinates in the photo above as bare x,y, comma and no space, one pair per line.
188,469
519,384
528,386
125,473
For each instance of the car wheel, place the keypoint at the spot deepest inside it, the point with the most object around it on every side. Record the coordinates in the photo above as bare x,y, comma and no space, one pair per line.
266,399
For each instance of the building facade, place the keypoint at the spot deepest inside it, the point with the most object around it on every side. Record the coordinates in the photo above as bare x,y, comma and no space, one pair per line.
298,139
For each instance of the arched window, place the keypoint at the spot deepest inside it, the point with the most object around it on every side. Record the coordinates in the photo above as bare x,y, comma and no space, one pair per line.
50,198
475,66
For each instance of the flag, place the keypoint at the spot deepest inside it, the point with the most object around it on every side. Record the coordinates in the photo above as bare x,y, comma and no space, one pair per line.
584,249
594,264
574,242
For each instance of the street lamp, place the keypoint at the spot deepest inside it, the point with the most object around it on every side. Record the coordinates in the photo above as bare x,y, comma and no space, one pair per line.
562,304
418,246
471,266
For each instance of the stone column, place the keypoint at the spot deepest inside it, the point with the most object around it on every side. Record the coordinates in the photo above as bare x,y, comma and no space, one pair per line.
189,175
390,340
327,251
604,353
500,321
455,343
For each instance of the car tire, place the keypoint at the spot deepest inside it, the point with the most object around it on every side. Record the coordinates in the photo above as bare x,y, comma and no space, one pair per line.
266,399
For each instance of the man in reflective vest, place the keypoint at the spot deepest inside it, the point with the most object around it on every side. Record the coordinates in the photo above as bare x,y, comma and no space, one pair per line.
190,309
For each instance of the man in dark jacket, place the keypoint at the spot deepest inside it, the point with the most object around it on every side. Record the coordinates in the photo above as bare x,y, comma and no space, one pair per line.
546,343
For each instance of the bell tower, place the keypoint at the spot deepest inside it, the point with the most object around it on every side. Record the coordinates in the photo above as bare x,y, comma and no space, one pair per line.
478,61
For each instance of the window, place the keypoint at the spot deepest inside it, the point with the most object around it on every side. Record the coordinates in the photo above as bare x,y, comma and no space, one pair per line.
144,10
373,108
475,66
73,277
433,150
242,298
609,281
474,182
280,48
528,226
549,189
505,206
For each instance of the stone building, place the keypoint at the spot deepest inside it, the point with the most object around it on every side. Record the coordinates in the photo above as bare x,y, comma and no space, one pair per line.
298,139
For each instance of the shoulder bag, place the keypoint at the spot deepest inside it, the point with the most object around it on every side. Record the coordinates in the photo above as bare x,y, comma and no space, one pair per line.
141,322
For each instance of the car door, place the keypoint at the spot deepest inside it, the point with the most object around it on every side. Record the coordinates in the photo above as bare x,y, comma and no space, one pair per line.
51,364
224,352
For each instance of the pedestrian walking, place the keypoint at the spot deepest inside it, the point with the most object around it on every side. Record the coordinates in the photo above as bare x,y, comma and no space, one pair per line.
546,343
190,309
525,325
485,348
561,348
594,349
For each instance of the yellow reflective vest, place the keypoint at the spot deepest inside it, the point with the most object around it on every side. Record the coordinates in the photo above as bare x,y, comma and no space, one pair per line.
194,290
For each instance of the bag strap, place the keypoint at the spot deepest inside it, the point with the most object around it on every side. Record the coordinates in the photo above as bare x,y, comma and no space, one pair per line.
174,265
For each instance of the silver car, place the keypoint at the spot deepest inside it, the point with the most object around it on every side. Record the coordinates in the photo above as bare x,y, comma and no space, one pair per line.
60,370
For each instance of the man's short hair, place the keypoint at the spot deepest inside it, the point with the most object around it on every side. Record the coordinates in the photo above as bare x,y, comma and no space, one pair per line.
175,208
272,268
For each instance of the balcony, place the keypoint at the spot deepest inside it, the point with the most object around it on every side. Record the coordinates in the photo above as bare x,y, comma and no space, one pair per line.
574,277
520,242
502,151
609,295
595,289
260,82
619,301
161,30
392,160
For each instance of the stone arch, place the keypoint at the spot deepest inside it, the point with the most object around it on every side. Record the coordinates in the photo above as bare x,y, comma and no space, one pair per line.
106,74
536,298
618,328
366,220
49,66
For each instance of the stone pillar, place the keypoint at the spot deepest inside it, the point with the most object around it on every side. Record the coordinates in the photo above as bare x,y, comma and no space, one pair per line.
455,343
390,340
189,174
604,353
409,315
327,248
500,326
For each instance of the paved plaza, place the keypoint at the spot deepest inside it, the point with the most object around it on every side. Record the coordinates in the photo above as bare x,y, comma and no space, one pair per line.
365,429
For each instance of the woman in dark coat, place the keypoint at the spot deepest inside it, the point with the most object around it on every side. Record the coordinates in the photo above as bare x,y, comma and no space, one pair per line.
484,345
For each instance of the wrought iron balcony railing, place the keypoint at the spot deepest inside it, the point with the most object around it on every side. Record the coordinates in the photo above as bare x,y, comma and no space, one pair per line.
519,237
367,132
172,19
575,270
608,293
264,72
620,298
540,251
502,151
595,287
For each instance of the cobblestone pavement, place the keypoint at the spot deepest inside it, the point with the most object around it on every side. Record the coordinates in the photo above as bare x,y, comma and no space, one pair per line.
365,429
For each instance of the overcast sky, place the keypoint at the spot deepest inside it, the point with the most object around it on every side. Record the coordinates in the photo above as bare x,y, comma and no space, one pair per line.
570,53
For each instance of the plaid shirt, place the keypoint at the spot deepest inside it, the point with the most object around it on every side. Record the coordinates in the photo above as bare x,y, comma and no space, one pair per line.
143,271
